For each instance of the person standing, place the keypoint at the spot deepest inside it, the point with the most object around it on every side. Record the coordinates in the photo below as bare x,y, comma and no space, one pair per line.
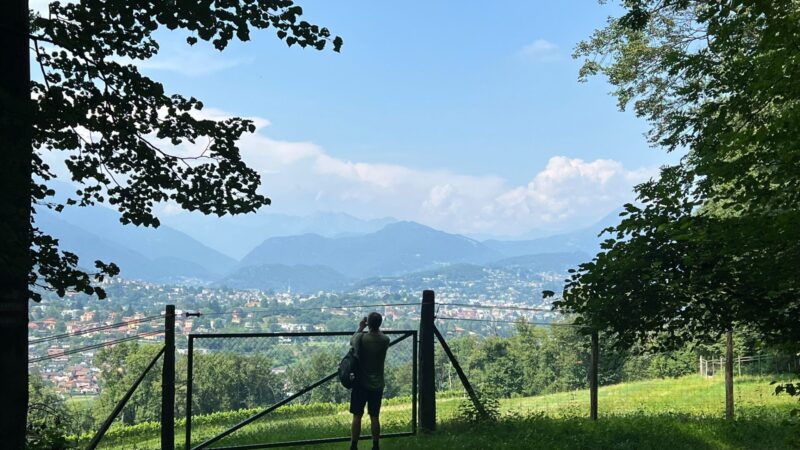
371,348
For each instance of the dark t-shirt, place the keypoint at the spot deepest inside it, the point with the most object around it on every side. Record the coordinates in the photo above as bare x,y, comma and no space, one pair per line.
371,356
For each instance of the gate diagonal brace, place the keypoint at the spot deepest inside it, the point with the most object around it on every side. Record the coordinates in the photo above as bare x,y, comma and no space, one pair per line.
263,413
461,375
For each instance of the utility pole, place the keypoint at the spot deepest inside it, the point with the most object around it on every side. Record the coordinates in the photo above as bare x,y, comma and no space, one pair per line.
15,207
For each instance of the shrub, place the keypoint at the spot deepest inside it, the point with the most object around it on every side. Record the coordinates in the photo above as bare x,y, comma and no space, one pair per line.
469,412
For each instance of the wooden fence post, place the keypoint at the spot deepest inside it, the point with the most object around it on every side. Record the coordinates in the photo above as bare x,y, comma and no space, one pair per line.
168,382
593,377
427,370
729,376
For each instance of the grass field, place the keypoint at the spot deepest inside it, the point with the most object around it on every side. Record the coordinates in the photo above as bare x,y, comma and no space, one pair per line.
683,413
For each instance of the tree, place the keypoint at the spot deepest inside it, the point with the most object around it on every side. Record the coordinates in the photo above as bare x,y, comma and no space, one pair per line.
117,131
120,366
317,366
48,417
225,381
713,243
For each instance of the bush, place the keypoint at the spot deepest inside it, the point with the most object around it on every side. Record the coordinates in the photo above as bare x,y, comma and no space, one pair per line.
469,412
45,429
793,390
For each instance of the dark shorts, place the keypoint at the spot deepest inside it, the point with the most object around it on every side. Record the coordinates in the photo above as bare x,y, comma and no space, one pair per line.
360,397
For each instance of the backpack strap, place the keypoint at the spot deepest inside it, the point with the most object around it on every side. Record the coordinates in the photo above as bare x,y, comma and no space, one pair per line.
357,344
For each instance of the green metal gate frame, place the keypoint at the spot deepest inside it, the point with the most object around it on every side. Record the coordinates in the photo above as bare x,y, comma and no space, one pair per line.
403,334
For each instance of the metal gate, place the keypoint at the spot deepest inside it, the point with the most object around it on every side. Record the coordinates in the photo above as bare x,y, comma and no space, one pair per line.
401,336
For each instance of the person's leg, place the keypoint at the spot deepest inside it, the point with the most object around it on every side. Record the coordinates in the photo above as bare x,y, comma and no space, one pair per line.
374,410
375,427
357,402
355,431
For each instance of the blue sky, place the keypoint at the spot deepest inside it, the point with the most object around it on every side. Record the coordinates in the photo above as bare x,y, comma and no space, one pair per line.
433,84
466,116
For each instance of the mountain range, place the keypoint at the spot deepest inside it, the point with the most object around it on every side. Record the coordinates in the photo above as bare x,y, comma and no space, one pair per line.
243,233
305,262
397,248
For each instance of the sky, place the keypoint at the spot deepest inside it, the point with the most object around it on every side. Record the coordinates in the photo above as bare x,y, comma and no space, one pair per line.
466,116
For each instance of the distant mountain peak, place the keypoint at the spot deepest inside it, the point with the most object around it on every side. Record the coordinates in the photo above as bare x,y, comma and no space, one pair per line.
399,247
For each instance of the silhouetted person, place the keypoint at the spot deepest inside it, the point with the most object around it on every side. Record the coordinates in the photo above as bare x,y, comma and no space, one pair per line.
371,348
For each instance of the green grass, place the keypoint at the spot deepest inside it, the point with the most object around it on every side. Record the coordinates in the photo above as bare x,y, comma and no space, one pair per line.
683,413
81,400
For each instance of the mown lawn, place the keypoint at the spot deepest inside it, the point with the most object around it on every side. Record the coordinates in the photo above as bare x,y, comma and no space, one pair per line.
683,413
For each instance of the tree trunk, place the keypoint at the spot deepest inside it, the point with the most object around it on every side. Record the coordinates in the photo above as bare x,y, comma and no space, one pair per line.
15,185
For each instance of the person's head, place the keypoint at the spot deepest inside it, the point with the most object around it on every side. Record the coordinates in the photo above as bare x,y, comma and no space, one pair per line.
374,321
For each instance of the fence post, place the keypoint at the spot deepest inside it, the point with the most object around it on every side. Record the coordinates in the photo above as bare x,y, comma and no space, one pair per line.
729,376
189,381
593,377
168,382
427,371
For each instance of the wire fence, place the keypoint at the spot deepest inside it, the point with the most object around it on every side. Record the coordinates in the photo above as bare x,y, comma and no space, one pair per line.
542,368
758,365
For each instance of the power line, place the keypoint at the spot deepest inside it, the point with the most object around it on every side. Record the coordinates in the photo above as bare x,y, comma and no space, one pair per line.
510,308
92,330
93,347
555,324
315,308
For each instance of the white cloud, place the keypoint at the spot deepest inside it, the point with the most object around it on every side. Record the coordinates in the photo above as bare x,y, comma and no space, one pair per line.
541,50
192,63
301,178
187,60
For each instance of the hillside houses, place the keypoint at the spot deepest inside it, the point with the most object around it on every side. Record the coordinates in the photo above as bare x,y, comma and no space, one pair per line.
78,379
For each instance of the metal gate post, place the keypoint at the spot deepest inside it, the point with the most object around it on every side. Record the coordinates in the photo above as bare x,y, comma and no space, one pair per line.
427,370
168,382
189,379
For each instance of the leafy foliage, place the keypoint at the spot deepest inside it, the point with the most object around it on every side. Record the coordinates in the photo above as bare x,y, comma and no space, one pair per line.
124,139
792,390
47,415
713,242
468,412
120,366
228,381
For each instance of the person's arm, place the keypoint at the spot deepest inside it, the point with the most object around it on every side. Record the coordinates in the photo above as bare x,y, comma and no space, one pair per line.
361,326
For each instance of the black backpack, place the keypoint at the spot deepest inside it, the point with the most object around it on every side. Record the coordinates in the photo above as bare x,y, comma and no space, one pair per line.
348,366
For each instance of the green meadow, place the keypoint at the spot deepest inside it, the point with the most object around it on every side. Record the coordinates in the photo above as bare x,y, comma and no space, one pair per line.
680,413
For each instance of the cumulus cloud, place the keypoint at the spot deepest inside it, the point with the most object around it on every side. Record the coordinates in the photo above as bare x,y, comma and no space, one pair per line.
301,177
540,50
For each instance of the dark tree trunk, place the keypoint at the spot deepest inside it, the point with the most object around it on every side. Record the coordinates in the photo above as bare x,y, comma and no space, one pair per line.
15,185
